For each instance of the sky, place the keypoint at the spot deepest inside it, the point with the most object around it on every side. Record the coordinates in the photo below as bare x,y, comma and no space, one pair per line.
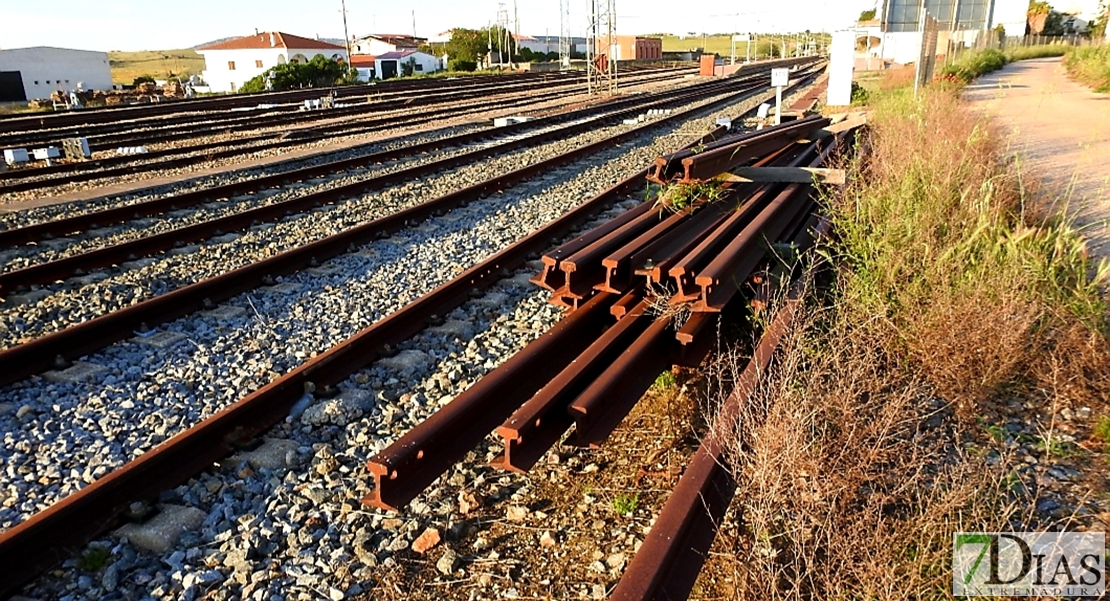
162,25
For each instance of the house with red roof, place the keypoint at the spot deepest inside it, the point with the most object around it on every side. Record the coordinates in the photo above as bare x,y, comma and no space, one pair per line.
230,63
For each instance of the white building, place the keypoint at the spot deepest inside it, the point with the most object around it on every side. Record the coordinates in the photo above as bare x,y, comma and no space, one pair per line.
379,44
962,21
228,64
392,64
548,43
33,73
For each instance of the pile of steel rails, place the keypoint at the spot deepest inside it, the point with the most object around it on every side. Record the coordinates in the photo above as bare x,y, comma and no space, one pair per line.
644,291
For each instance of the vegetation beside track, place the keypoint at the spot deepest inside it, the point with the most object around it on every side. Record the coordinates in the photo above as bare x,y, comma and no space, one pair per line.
965,318
971,65
1090,66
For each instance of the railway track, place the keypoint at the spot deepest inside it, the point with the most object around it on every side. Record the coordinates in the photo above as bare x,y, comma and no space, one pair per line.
87,512
43,353
109,136
359,120
14,123
169,111
77,223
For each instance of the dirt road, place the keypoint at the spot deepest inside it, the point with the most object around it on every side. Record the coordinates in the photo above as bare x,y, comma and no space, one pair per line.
1061,130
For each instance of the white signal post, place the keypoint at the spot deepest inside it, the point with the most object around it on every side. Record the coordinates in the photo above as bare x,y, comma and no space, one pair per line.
742,37
780,78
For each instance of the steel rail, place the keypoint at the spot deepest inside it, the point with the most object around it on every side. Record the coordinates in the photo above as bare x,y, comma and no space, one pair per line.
43,353
673,552
695,168
736,261
33,546
105,217
55,270
538,424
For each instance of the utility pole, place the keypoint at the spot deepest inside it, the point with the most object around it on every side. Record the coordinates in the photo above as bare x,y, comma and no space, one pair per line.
346,36
414,24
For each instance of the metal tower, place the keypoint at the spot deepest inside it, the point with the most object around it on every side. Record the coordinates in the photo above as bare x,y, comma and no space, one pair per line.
564,33
503,35
602,42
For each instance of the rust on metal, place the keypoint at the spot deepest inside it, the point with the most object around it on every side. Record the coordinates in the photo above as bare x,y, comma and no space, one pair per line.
668,562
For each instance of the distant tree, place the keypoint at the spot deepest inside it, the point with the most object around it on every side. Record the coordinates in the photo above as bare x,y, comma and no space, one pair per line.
1036,16
318,72
466,45
142,79
1054,23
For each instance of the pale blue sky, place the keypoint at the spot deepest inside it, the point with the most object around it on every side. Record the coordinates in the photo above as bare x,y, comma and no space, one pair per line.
164,24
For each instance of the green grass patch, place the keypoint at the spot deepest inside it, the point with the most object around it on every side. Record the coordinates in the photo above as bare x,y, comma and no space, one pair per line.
972,65
1090,66
94,558
625,504
1102,429
665,381
1054,447
946,249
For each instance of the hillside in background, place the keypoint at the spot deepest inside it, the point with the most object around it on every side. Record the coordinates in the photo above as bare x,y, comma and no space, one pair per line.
159,64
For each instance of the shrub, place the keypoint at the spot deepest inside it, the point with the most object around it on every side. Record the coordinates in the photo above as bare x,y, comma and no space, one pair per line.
142,79
976,64
956,293
318,72
461,65
1090,66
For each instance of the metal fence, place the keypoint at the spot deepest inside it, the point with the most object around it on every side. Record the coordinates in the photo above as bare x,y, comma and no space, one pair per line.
1052,40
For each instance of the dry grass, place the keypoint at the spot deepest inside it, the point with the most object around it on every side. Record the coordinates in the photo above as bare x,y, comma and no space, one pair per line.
955,295
159,64
850,478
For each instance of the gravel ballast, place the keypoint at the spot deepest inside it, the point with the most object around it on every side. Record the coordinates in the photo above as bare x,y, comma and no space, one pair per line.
296,530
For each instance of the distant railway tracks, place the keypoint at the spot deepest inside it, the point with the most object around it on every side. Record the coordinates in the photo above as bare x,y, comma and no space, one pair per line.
585,373
360,119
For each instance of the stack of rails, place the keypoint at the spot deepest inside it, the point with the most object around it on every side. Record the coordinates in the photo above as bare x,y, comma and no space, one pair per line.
34,544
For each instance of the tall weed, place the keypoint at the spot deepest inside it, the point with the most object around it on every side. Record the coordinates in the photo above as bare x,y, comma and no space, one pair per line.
956,292
1090,66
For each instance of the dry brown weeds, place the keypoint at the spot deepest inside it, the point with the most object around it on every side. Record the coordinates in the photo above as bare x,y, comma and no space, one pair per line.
956,293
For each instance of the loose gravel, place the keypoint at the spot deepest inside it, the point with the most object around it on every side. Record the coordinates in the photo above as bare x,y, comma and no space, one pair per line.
58,248
248,154
116,288
275,532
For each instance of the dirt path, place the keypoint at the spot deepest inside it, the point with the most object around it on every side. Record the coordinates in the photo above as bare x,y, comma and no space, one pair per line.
1062,130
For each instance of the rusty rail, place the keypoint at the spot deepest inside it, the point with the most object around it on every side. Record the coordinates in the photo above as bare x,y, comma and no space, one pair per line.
672,555
36,544
55,270
43,353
